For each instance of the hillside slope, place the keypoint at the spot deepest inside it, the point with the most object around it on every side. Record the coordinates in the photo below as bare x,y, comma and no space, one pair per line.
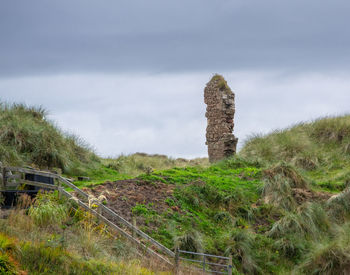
321,149
272,207
53,236
28,138
281,206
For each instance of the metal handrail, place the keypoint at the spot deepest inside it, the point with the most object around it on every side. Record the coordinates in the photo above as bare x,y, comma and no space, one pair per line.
100,205
203,254
225,268
105,210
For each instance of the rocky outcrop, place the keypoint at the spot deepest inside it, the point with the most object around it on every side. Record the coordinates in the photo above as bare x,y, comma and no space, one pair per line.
220,102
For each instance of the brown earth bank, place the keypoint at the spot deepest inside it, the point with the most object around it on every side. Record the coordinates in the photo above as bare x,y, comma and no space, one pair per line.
123,195
302,195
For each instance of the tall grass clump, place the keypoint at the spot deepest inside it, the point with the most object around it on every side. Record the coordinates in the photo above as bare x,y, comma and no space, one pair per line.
279,181
277,191
329,256
320,143
40,259
240,246
309,220
295,230
27,137
48,212
339,206
189,241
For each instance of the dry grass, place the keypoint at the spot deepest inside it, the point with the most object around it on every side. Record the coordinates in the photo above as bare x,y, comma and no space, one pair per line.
28,138
76,242
141,163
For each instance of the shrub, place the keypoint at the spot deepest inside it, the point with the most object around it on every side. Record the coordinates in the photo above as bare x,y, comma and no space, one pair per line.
140,209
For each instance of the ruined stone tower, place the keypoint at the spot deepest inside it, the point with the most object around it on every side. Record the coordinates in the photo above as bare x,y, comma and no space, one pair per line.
220,102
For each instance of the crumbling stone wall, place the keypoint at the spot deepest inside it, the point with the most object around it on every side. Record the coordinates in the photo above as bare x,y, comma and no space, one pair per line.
220,102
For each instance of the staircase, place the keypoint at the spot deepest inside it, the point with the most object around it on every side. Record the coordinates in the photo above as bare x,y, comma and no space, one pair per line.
15,177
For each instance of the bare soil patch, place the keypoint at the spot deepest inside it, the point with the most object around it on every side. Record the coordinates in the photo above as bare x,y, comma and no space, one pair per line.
123,195
302,195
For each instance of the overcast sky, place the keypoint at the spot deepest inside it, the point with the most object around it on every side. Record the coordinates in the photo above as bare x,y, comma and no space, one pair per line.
128,76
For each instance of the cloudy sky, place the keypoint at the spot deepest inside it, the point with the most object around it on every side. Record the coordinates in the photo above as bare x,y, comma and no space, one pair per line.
128,76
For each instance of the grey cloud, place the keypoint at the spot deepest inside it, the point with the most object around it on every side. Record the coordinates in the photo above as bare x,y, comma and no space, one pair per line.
50,37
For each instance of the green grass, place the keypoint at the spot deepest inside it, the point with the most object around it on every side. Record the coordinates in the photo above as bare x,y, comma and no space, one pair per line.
207,204
244,206
140,163
320,149
27,137
221,82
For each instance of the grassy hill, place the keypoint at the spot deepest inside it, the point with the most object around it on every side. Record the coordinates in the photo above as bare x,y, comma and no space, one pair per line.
28,138
321,149
281,206
271,206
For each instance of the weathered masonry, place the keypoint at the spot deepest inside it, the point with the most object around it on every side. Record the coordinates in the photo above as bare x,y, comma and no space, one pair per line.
220,102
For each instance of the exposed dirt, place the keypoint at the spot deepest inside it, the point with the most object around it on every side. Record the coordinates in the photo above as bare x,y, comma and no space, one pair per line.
302,195
123,195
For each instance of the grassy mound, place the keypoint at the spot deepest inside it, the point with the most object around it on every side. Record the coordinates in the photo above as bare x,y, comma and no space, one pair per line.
320,148
268,207
28,138
305,144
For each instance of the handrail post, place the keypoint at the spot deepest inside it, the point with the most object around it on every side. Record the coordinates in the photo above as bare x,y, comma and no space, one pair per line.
177,261
230,265
4,176
204,263
134,224
59,189
1,173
